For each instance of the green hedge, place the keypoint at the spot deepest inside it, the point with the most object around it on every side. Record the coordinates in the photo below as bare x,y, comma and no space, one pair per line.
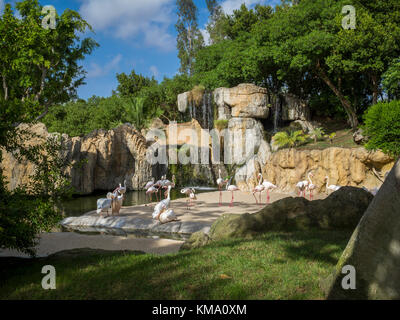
382,125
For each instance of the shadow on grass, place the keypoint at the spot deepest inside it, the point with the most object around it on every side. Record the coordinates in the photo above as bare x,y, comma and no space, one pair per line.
194,274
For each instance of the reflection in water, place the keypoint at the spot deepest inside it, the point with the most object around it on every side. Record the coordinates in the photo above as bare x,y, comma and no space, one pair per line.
81,205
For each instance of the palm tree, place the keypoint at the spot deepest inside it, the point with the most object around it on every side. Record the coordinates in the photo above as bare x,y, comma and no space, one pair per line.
283,139
134,111
317,134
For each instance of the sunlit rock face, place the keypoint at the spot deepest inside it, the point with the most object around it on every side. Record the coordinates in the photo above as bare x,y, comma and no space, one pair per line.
374,249
100,160
344,166
245,100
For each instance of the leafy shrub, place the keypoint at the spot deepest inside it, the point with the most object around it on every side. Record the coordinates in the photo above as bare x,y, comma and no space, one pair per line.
382,125
221,124
289,139
317,134
30,210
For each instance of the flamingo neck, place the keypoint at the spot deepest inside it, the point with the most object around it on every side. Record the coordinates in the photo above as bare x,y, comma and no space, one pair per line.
309,179
259,182
327,182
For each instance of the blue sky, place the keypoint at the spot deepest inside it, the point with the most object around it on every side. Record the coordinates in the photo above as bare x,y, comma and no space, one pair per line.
133,34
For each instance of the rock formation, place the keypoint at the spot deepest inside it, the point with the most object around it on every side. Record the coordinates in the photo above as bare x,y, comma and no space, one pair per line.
246,105
343,209
374,248
345,167
101,160
244,101
198,104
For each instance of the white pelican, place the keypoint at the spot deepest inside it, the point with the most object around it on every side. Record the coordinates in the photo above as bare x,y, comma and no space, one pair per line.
162,205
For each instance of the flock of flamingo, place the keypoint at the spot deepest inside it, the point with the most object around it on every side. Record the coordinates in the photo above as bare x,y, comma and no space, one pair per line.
163,213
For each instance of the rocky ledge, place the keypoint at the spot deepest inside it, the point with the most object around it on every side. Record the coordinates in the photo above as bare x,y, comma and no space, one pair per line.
93,222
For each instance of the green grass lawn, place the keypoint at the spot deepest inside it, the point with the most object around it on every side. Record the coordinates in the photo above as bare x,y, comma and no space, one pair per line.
273,266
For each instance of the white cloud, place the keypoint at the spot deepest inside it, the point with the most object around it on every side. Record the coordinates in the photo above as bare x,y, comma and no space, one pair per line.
128,19
96,71
1,6
154,71
206,35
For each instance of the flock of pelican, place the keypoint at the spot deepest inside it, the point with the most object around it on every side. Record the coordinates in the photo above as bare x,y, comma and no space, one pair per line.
113,201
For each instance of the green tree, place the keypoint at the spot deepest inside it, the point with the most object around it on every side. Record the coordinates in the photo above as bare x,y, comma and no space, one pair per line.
391,79
130,85
382,125
38,68
189,39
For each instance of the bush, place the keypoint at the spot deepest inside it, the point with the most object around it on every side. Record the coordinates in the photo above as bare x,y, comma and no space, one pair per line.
30,210
382,125
221,124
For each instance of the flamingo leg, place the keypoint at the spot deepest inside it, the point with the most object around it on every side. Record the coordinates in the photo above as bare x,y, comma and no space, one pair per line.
255,198
267,201
260,198
231,205
220,195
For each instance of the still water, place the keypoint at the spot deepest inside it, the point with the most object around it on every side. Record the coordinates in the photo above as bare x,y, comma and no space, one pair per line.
78,206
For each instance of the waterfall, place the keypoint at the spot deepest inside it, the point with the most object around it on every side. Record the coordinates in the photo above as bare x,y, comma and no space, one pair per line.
210,110
204,110
277,111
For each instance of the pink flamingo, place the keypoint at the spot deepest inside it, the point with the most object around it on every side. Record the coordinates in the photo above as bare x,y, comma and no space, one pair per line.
220,183
159,184
302,186
268,186
311,186
150,192
190,192
259,188
230,187
166,183
149,184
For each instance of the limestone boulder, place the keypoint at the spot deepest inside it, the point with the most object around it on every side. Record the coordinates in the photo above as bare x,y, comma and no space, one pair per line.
343,209
242,140
245,100
100,160
374,248
345,167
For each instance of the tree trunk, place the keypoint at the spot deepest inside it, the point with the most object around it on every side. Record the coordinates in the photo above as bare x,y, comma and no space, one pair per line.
345,103
375,89
374,248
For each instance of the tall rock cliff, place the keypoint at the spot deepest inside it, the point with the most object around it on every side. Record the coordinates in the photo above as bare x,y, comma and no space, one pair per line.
106,158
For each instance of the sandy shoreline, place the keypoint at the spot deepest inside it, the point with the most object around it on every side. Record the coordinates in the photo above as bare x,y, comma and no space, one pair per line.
199,217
